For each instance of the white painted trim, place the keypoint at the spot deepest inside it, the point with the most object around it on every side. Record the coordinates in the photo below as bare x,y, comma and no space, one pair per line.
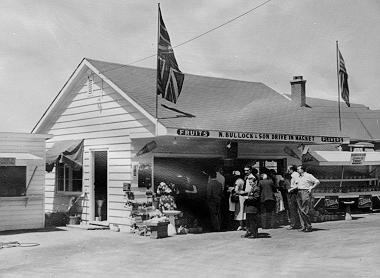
141,136
85,63
12,135
21,156
189,155
92,180
61,93
121,92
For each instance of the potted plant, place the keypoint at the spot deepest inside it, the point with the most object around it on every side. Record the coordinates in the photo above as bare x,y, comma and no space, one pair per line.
74,211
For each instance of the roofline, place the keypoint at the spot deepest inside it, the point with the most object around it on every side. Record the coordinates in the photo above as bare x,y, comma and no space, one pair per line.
57,97
84,62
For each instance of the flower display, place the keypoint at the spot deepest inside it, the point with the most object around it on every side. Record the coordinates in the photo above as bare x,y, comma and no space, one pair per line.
166,200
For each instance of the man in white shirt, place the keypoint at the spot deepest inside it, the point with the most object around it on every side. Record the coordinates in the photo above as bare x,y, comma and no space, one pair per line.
305,184
295,222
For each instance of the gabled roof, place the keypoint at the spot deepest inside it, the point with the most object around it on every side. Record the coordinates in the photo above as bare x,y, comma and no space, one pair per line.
228,105
219,104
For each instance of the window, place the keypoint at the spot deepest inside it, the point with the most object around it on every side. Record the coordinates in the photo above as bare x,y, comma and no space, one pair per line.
12,181
68,179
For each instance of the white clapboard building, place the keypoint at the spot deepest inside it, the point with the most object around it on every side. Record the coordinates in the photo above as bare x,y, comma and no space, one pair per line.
106,113
22,180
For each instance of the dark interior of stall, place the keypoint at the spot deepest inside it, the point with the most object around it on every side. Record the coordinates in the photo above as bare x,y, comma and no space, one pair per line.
185,173
189,177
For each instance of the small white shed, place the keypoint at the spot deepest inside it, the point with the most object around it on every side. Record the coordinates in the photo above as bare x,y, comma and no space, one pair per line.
22,180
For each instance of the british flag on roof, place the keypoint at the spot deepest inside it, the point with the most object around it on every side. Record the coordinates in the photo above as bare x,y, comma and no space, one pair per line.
169,77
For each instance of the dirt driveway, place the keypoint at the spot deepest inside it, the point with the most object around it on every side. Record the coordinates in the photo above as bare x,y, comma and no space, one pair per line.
334,249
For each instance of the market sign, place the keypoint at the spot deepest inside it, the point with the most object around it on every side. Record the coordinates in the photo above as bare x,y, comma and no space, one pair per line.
7,161
256,136
193,132
357,158
365,201
331,202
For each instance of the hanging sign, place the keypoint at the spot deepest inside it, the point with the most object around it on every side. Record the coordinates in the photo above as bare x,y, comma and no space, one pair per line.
255,136
365,201
357,158
331,202
7,161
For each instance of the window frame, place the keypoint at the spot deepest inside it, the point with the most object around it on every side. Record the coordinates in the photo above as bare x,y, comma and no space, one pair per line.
64,179
26,181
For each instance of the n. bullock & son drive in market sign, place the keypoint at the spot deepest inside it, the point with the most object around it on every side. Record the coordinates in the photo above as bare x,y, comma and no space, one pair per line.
255,136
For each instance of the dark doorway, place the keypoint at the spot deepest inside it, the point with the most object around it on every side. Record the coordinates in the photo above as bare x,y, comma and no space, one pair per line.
100,185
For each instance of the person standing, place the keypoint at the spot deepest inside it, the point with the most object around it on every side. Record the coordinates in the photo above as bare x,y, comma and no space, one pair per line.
214,198
240,215
306,183
268,201
252,208
234,201
247,172
295,222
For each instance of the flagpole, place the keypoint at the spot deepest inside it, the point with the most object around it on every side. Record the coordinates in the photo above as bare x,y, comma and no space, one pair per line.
337,73
158,38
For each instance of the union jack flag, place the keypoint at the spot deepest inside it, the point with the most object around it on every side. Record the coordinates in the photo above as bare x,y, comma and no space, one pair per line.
343,80
169,77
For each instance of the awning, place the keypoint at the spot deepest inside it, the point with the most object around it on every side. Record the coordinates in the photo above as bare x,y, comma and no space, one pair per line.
326,158
69,152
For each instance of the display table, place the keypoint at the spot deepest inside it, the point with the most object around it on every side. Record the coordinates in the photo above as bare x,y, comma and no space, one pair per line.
171,215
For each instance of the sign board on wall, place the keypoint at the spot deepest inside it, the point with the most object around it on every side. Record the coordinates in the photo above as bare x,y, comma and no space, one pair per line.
365,201
255,136
331,202
357,158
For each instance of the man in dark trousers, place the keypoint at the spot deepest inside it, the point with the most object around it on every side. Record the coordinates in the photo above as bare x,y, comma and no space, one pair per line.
268,201
305,185
214,198
295,222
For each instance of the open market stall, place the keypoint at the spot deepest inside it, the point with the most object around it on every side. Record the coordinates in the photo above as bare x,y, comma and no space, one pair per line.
347,178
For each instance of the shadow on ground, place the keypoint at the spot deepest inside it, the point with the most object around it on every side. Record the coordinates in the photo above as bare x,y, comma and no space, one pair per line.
45,230
264,235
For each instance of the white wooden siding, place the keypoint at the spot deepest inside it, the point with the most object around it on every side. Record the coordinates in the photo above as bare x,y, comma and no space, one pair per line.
105,120
25,212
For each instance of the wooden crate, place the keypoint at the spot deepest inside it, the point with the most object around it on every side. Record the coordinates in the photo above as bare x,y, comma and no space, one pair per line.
158,230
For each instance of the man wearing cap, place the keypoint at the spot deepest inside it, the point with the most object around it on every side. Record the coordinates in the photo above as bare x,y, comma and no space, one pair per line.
305,184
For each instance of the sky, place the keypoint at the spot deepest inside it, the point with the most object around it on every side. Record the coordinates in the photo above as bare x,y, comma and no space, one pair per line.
43,41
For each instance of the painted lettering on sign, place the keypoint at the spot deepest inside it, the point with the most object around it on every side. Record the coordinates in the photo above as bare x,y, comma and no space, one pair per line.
265,136
357,158
332,139
257,136
365,201
331,202
193,132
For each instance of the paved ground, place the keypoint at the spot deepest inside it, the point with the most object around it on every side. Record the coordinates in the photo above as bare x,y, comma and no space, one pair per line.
334,249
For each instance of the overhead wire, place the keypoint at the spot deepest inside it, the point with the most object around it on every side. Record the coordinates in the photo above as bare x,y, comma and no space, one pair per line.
194,38
183,43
